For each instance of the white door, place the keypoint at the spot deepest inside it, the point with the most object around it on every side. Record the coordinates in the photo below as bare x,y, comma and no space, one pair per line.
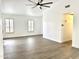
67,27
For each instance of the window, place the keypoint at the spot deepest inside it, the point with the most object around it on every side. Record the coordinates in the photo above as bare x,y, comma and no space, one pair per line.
9,25
30,26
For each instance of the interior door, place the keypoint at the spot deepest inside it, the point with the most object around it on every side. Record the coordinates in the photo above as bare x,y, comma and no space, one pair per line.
67,26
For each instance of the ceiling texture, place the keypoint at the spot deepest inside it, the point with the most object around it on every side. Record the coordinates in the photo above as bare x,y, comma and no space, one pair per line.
19,7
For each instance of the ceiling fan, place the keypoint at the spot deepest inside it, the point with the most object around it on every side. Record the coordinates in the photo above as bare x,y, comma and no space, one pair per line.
39,3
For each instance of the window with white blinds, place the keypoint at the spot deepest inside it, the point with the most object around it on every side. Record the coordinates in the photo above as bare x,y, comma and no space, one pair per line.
30,26
9,25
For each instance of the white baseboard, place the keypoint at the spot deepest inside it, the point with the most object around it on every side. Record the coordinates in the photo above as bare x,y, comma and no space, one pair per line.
75,46
12,36
52,39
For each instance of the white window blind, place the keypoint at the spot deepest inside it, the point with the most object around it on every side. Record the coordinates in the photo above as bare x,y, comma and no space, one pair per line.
9,25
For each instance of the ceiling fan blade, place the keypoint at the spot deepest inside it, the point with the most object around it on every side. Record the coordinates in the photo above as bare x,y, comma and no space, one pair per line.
47,3
31,1
40,1
47,6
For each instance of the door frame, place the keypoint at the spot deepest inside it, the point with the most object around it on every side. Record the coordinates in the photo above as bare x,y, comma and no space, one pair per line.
62,25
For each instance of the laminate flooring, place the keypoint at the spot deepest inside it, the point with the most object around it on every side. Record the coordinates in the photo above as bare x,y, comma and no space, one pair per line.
37,47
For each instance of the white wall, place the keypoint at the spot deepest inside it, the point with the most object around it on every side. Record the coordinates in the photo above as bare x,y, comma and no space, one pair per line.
53,20
1,36
52,23
1,39
20,25
21,13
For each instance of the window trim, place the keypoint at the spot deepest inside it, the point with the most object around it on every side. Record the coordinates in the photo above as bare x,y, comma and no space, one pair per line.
33,25
9,25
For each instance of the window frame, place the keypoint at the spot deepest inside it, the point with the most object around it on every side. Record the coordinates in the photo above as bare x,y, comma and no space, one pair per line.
9,25
32,26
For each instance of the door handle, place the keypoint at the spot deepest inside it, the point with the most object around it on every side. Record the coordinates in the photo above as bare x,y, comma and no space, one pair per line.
62,25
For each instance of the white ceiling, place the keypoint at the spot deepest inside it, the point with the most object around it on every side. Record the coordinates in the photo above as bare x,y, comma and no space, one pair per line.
18,7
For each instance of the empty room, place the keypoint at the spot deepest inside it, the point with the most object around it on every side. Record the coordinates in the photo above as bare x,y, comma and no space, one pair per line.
39,29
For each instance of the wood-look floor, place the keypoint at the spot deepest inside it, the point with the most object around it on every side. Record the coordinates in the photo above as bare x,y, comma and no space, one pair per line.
38,48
